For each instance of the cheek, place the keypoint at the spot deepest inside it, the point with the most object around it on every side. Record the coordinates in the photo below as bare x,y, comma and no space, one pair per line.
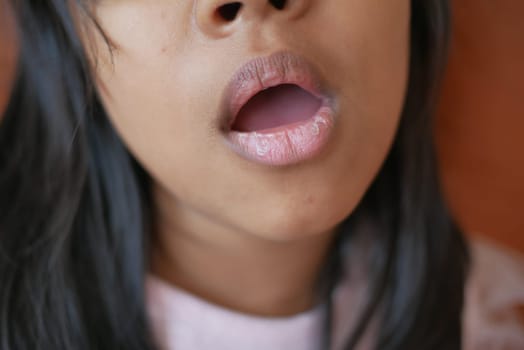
155,99
367,58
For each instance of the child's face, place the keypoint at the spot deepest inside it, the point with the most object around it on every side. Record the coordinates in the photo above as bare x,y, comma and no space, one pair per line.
165,93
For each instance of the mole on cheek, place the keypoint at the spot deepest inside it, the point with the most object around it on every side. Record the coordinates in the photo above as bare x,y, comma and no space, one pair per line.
310,199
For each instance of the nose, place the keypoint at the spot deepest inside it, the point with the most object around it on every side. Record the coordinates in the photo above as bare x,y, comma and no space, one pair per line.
218,18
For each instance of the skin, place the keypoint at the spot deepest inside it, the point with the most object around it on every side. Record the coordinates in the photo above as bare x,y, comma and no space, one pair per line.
243,235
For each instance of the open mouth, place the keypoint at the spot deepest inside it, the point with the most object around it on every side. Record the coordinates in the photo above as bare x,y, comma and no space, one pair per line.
278,111
274,107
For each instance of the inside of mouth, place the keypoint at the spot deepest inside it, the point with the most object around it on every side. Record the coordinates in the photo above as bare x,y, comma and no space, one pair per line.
276,106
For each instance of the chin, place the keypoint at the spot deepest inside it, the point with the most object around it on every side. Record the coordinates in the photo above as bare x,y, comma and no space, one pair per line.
296,222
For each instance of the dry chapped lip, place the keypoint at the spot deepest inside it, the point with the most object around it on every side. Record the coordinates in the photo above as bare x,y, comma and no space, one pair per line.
298,138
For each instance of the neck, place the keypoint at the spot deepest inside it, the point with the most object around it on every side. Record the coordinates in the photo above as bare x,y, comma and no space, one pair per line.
235,269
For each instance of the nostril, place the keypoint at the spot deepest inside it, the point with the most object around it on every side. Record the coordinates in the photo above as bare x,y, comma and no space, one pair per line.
278,4
229,12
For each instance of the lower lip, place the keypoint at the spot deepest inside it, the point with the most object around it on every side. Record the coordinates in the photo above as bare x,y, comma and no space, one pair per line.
286,144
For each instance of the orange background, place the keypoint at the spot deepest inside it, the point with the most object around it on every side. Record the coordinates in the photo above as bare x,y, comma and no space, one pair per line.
480,123
480,126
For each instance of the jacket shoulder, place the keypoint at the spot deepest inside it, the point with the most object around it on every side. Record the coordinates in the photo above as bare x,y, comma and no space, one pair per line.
494,299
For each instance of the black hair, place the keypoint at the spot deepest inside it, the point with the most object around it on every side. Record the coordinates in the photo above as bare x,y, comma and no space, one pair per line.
75,207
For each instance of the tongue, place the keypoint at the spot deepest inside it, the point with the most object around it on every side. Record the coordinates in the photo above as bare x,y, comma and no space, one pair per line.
276,106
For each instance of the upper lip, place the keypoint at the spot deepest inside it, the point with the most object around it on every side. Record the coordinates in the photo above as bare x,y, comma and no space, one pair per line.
263,72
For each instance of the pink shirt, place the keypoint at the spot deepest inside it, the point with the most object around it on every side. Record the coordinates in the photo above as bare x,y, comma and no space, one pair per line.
183,321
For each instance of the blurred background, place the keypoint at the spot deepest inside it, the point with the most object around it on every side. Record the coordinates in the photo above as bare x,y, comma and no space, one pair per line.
480,123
